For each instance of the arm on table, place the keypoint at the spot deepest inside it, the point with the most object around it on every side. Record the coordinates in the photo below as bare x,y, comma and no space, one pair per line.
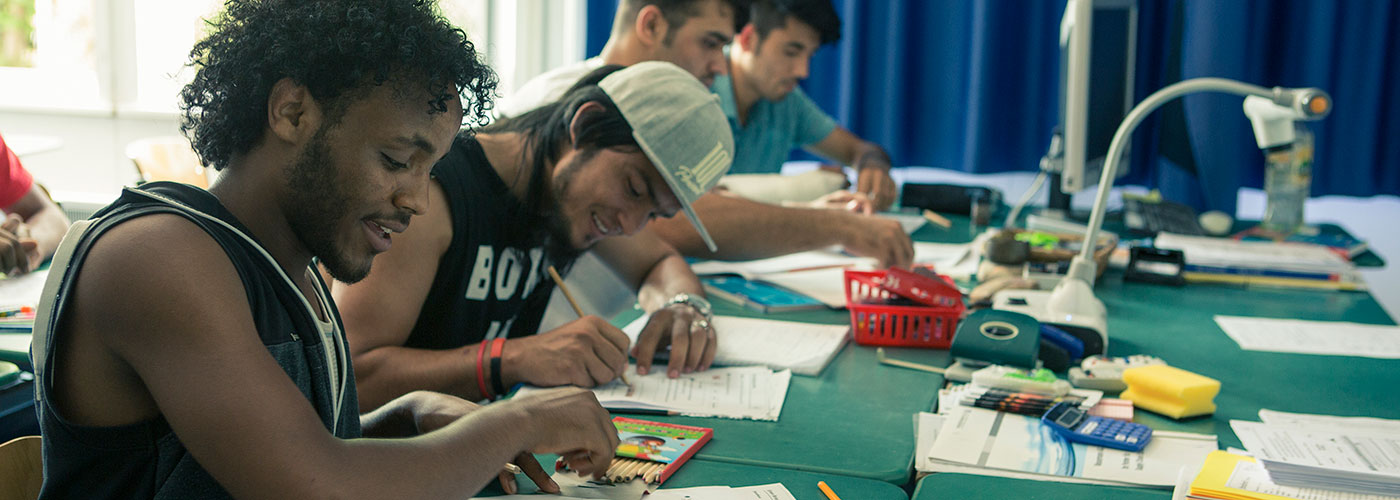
871,162
747,230
27,242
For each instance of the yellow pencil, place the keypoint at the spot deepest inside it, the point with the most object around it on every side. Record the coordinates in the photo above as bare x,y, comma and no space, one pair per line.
827,490
559,282
937,219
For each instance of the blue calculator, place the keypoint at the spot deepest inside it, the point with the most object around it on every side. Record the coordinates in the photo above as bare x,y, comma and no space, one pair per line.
1080,427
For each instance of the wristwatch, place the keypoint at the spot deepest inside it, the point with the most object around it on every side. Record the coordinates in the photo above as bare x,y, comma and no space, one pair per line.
696,302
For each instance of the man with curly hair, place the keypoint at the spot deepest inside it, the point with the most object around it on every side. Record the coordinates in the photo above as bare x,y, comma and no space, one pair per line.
188,347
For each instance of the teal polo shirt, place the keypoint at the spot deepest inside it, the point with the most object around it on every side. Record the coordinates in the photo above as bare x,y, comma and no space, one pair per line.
774,128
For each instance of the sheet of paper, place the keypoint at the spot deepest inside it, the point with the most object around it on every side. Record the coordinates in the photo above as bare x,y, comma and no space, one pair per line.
1020,443
910,222
775,491
806,348
1336,338
23,290
750,392
1251,476
938,254
1328,447
1364,425
15,342
826,284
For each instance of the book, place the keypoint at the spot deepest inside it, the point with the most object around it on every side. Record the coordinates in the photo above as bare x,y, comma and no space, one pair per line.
759,296
804,348
1328,235
667,446
1263,263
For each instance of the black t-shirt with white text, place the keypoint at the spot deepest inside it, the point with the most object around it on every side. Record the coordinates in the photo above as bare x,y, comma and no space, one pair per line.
484,287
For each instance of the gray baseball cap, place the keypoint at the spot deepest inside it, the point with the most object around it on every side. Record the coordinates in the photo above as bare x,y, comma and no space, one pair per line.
680,127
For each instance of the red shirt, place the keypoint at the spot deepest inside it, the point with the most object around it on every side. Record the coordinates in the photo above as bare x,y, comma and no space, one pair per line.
15,181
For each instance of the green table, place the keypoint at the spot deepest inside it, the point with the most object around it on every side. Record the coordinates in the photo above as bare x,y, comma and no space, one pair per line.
966,486
803,485
856,419
1177,325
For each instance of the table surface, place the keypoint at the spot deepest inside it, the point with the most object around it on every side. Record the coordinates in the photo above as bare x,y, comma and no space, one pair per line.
803,485
952,485
856,418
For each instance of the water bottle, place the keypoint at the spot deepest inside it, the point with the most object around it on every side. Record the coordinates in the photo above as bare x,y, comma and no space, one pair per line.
1287,177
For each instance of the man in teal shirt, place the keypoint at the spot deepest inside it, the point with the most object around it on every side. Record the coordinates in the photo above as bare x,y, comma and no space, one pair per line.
768,113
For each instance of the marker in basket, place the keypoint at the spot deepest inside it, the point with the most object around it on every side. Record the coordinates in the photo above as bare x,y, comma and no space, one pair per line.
559,282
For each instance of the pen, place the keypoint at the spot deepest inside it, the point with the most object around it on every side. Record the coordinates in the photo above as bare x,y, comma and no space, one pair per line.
831,495
559,282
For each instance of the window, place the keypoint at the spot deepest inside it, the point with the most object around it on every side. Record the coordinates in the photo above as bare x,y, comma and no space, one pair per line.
127,57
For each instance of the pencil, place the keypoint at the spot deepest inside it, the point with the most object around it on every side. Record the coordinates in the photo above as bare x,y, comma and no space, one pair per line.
559,282
827,490
937,219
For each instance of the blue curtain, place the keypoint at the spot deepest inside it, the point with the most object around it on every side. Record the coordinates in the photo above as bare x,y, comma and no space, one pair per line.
973,86
1348,48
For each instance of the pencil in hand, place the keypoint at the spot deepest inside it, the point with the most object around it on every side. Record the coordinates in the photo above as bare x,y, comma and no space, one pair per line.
559,282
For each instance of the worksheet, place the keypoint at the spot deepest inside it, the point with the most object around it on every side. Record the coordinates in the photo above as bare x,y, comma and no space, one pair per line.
1338,338
749,392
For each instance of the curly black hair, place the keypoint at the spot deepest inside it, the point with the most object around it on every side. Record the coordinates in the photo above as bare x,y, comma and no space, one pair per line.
338,49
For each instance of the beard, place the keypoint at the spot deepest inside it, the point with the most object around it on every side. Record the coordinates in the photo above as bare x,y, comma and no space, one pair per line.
559,242
316,205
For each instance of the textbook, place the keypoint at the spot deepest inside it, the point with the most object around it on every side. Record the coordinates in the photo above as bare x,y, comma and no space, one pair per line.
653,450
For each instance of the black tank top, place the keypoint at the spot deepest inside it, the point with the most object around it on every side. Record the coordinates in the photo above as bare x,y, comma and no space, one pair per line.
146,459
484,287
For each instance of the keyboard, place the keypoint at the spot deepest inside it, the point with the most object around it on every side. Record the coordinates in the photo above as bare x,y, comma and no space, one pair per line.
1163,216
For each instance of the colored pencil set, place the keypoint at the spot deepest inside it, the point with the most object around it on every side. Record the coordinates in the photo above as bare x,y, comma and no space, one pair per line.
1024,403
624,469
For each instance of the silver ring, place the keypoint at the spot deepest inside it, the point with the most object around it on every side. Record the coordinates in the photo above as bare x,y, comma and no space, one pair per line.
703,323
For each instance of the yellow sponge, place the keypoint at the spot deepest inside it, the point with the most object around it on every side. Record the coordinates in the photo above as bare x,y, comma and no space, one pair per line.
1170,391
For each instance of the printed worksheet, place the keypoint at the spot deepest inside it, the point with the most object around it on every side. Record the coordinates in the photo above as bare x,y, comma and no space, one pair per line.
1337,338
749,392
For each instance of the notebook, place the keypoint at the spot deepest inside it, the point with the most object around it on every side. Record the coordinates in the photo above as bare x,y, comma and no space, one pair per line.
759,296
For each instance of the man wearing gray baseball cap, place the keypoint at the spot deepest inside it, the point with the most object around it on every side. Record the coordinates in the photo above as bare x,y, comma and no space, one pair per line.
454,305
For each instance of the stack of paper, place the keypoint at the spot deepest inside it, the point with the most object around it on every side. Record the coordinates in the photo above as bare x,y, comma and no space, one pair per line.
805,348
1331,458
978,441
1265,263
1228,476
751,392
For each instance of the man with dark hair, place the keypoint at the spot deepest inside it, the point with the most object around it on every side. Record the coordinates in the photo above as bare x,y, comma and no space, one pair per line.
688,33
769,116
456,304
186,347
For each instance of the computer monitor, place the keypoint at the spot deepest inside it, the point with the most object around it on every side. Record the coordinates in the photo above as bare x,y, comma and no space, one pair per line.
1098,47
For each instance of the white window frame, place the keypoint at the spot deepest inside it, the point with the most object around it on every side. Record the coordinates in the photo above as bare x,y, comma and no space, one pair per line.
523,38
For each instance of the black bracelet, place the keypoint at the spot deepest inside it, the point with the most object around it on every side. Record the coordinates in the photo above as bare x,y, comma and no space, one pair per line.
496,386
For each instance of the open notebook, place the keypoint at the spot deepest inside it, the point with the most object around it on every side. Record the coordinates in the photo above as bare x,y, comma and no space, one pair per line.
804,348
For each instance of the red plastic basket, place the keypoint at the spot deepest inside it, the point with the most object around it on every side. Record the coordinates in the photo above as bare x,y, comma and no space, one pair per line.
873,322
